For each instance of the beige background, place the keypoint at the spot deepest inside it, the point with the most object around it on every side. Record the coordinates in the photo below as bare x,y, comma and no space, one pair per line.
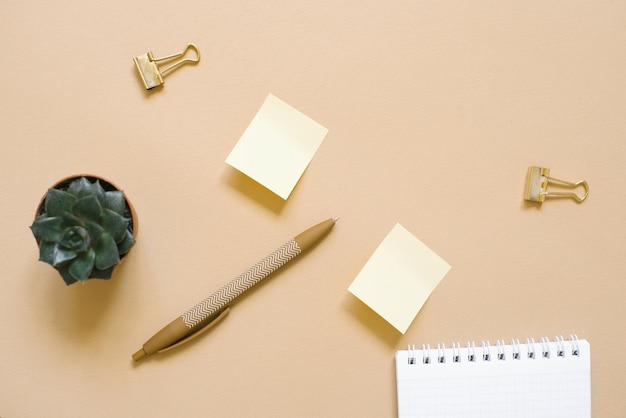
435,111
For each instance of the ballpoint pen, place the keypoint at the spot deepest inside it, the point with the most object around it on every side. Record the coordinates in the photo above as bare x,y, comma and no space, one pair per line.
214,308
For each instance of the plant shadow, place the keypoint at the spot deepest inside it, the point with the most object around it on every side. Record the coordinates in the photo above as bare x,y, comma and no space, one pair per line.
78,310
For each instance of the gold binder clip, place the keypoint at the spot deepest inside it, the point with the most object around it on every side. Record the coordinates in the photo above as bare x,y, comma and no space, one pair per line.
537,184
149,71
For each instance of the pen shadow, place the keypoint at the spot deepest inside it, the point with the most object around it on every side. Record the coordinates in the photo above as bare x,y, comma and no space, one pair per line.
164,356
372,321
174,351
254,191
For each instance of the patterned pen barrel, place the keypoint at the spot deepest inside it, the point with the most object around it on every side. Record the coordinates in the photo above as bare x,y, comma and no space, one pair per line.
205,313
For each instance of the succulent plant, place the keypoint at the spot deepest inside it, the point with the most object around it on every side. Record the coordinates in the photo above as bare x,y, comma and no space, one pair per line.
83,230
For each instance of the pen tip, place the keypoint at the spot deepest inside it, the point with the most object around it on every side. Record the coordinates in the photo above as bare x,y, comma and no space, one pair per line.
336,219
139,355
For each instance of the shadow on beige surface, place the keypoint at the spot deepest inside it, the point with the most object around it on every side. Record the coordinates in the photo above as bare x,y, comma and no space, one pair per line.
80,310
255,191
372,321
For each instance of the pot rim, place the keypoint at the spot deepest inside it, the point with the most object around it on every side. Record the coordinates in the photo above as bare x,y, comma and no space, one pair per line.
134,222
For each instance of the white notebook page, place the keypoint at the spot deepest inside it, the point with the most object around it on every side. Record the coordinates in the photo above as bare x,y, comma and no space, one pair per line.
529,379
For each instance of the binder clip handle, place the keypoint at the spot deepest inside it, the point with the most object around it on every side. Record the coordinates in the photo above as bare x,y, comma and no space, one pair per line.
537,185
181,62
152,75
573,195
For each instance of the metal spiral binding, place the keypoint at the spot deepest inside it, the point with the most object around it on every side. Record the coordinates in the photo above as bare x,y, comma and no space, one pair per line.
574,340
426,358
486,351
501,354
516,352
471,350
411,356
456,352
544,349
530,345
560,349
441,353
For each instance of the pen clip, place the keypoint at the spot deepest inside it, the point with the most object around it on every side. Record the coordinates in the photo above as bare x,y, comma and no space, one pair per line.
210,323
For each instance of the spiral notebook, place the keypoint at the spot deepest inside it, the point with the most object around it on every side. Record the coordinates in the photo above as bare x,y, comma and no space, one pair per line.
548,378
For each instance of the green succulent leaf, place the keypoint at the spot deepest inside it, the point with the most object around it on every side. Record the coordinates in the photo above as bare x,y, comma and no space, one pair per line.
114,223
83,187
62,255
126,244
81,267
106,252
83,230
116,202
46,252
64,271
58,202
70,220
95,232
102,274
75,239
47,228
79,187
88,208
100,193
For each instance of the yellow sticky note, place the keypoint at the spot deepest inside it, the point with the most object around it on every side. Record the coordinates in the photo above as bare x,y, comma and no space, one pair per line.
399,277
277,146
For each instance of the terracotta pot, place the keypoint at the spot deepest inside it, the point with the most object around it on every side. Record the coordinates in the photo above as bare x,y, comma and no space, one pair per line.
129,212
107,186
